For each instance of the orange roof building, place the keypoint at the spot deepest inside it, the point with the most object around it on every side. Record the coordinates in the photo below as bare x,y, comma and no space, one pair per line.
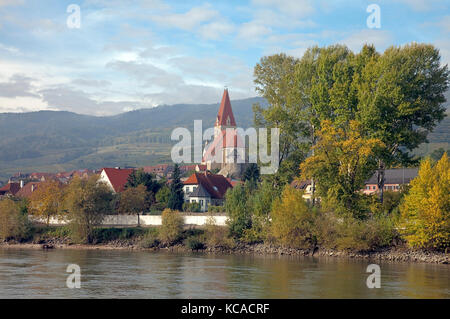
206,189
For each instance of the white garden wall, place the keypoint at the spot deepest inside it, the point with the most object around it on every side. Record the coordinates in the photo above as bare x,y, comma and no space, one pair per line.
150,220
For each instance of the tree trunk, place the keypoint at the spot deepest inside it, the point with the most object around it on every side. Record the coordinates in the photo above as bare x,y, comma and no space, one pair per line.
138,220
380,180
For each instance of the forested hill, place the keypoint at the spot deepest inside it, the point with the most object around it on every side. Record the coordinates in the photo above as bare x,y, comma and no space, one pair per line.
57,140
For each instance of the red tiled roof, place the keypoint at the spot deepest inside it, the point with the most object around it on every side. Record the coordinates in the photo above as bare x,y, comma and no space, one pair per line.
42,176
10,188
161,168
118,177
27,189
225,111
216,185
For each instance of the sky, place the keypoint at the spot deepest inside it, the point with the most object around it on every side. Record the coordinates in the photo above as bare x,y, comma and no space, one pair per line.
126,55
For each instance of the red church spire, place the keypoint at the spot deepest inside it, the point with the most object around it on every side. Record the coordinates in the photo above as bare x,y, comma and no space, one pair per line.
225,116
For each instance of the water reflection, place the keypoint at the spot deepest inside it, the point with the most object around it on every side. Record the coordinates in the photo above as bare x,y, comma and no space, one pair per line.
129,274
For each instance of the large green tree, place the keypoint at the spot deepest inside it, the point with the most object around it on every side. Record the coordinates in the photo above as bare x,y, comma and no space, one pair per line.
176,197
139,177
273,77
400,100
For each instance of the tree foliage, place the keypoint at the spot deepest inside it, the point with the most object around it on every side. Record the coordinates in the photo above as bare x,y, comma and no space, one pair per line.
273,78
343,159
86,202
45,201
238,210
134,200
176,197
139,177
172,226
425,212
292,222
13,222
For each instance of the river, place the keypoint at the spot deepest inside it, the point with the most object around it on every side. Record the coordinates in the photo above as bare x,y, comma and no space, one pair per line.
28,273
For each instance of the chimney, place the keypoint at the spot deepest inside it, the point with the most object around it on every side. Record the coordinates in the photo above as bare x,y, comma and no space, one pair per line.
32,187
21,183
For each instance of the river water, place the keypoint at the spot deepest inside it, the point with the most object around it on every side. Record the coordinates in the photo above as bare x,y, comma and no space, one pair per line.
27,273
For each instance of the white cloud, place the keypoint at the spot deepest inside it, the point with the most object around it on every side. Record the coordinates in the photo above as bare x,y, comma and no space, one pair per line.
421,5
292,8
18,85
445,24
188,20
216,30
253,31
4,3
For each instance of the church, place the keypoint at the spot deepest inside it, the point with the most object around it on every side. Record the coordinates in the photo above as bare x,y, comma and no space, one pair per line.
226,152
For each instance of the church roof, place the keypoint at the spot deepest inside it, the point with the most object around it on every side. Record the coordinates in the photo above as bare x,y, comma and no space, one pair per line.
225,111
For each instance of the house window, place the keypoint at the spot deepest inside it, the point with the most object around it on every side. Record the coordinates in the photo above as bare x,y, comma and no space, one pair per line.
187,189
201,202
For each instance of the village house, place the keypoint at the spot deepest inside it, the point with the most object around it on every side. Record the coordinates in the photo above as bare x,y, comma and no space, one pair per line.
206,189
28,189
393,179
160,171
115,178
10,189
305,186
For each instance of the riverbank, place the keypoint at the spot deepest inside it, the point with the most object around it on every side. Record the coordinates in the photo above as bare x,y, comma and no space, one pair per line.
393,254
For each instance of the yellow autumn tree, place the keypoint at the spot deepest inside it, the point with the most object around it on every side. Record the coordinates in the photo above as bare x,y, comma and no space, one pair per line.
425,212
292,222
13,223
46,200
343,159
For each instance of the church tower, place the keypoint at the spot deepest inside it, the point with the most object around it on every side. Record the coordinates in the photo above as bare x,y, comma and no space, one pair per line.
226,145
225,117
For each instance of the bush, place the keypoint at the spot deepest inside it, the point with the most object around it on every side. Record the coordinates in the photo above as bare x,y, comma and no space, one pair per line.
172,226
150,239
217,236
365,235
191,207
292,221
239,213
194,243
13,223
216,209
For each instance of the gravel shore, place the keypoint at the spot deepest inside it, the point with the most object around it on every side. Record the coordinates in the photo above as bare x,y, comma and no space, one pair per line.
394,254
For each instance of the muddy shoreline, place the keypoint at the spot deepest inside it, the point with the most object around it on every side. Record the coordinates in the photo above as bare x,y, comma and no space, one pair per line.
393,254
